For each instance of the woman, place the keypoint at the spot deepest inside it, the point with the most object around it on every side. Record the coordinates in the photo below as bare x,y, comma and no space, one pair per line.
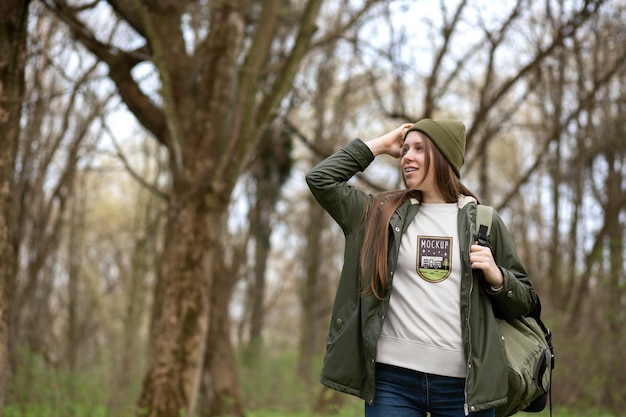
413,328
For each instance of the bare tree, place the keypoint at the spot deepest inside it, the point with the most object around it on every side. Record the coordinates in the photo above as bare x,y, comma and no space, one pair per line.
13,35
269,170
138,266
220,77
61,115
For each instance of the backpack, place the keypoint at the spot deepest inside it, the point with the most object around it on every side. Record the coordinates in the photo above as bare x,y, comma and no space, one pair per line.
528,345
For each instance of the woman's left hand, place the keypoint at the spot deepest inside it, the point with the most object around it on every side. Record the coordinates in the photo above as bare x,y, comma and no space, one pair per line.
482,258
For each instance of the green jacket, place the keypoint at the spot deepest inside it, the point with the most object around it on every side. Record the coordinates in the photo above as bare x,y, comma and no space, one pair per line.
357,320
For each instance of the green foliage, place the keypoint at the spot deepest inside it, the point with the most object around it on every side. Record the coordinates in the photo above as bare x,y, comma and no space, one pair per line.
46,411
39,388
270,387
269,380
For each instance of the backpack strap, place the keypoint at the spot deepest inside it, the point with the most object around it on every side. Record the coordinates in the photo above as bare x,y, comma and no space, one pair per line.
484,216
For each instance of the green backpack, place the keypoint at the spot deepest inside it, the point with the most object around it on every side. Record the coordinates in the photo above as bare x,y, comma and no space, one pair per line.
528,345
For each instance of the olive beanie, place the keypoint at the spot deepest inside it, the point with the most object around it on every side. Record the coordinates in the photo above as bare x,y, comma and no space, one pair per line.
448,136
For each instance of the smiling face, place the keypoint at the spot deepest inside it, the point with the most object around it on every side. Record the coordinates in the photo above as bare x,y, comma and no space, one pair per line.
418,172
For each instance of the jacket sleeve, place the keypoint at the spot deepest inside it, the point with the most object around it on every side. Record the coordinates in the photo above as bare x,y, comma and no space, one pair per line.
517,297
328,183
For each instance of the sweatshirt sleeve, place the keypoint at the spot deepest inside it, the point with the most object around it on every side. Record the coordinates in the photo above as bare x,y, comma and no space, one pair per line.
328,181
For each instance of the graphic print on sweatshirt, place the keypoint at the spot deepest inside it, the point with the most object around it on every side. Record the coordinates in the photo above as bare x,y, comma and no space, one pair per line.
434,258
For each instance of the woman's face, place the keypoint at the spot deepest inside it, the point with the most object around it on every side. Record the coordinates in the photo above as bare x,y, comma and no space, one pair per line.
415,172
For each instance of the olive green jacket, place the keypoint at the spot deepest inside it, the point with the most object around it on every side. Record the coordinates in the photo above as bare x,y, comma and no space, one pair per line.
357,320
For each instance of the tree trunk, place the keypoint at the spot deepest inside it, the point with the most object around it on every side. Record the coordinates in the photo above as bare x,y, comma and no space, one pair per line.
613,210
556,175
271,168
311,339
76,231
220,384
13,34
180,313
260,228
145,252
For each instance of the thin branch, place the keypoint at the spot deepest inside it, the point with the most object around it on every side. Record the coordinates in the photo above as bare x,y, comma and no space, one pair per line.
322,154
447,31
134,174
343,28
585,103
567,30
120,65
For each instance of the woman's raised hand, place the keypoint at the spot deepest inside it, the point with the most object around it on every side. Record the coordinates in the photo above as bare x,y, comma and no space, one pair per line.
390,143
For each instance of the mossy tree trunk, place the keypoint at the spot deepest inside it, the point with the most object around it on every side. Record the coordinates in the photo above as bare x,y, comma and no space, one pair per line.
13,35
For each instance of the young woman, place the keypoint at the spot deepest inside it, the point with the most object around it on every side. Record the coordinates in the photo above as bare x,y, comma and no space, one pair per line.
413,328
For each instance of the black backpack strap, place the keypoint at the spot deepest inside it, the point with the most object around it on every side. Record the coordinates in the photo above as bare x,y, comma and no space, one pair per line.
484,216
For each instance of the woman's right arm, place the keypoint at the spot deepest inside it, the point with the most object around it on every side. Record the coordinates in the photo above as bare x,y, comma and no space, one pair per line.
328,179
328,183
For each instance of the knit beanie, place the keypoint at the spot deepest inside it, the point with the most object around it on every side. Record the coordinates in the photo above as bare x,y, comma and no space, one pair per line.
448,136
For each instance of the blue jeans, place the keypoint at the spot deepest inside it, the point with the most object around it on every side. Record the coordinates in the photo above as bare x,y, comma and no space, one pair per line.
405,393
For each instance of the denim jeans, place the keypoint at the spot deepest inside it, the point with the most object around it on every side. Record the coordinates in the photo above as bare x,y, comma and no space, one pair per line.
405,393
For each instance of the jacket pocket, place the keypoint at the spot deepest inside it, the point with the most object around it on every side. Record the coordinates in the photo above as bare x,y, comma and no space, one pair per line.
342,319
344,365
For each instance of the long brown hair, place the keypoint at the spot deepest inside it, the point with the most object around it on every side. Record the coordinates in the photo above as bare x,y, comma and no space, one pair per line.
374,253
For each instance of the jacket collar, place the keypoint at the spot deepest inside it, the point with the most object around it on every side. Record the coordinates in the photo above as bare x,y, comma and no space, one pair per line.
464,200
407,211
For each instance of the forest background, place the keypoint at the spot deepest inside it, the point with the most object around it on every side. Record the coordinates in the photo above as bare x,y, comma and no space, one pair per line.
160,253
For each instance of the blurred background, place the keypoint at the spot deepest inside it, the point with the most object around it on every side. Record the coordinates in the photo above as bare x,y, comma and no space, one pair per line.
161,253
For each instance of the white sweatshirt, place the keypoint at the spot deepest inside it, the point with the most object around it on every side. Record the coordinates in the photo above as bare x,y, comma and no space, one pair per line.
422,330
